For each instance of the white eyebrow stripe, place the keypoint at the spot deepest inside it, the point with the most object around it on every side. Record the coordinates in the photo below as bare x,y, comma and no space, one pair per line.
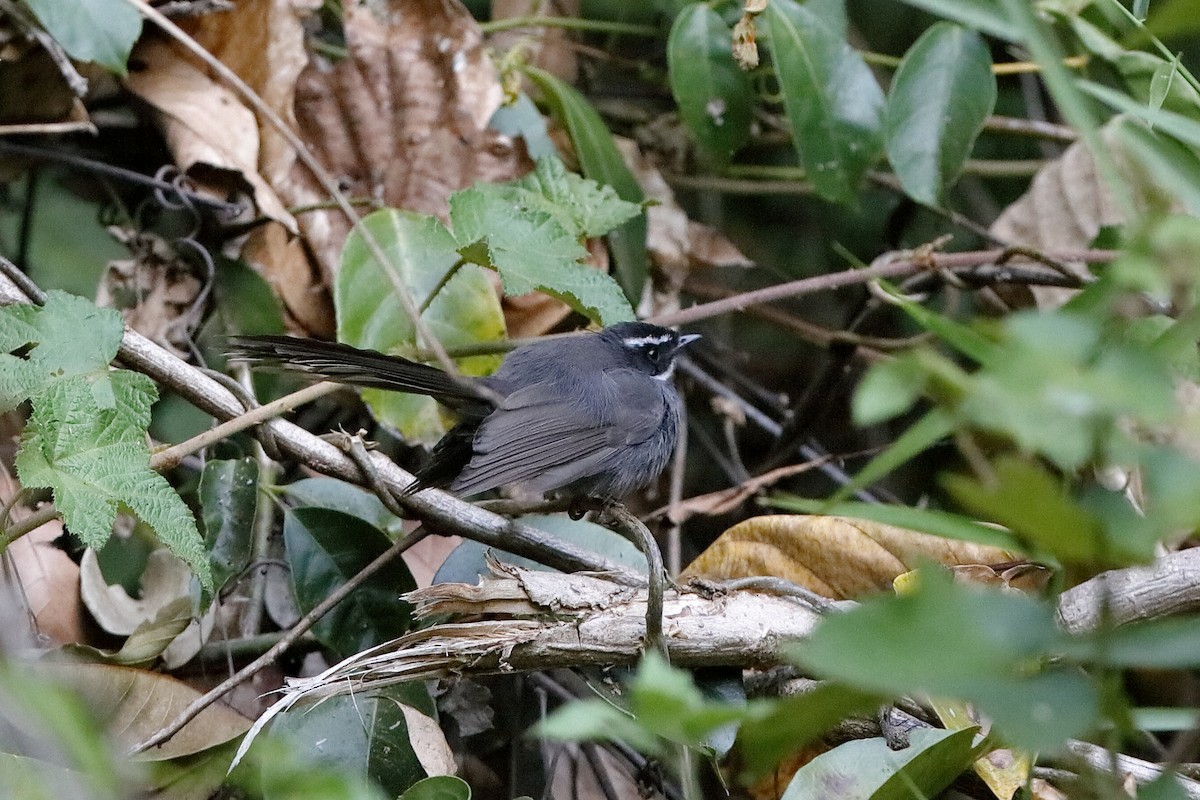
638,341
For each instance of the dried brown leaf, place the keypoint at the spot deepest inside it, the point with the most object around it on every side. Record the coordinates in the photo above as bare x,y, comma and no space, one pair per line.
132,704
402,120
838,557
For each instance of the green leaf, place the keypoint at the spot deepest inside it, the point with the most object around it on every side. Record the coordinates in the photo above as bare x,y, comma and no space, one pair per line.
464,308
327,548
582,206
1035,506
714,95
598,721
983,15
1170,166
792,722
888,390
468,562
1183,128
341,496
1060,385
968,643
940,97
371,735
102,31
532,251
602,162
869,769
1158,644
966,340
438,787
923,434
86,436
831,98
228,498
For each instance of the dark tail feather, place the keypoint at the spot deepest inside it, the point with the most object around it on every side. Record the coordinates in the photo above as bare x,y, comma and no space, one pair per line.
342,363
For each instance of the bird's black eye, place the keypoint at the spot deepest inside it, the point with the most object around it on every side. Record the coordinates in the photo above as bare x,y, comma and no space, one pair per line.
652,353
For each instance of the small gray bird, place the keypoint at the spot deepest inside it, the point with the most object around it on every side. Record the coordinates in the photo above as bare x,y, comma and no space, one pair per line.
593,415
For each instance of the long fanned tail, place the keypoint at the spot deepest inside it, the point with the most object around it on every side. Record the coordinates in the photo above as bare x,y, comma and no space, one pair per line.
342,363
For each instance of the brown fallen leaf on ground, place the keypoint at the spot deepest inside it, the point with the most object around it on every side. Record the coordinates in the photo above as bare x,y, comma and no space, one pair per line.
838,557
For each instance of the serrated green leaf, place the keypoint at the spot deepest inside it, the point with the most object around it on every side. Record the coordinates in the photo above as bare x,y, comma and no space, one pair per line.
941,95
102,31
583,207
532,251
832,100
602,162
325,549
714,95
465,310
85,439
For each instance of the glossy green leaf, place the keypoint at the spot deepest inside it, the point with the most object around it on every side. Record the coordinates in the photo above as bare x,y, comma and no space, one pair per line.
324,550
468,562
102,31
339,495
790,723
438,787
714,95
832,100
463,310
228,498
963,642
984,15
940,97
869,769
602,162
370,735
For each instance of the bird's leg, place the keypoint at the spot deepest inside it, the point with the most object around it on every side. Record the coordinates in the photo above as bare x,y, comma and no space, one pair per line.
582,504
624,522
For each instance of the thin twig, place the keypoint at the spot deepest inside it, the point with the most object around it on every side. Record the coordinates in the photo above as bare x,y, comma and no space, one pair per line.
169,457
890,269
35,520
279,648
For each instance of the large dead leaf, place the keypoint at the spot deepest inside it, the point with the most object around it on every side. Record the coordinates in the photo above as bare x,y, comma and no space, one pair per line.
402,120
132,704
1067,204
838,557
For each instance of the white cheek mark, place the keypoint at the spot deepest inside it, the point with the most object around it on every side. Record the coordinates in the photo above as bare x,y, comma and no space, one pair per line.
666,376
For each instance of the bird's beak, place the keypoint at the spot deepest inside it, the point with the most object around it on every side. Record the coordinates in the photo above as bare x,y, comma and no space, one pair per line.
687,339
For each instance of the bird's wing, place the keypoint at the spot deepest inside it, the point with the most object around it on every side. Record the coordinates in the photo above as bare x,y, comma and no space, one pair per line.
536,438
